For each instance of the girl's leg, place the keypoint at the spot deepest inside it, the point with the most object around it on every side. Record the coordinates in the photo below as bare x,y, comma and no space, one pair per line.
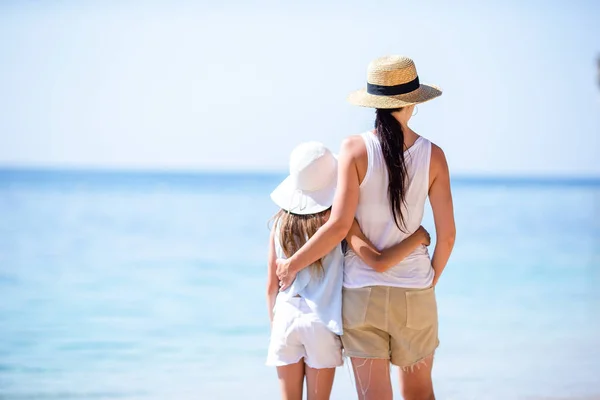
291,380
319,382
372,378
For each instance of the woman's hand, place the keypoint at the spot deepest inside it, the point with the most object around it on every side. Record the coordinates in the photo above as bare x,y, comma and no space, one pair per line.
285,276
423,236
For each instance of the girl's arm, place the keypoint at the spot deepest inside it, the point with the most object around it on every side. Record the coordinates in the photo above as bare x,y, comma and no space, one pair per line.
440,198
383,260
272,281
340,220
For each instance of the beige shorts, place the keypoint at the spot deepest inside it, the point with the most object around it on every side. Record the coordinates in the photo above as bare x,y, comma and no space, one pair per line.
388,322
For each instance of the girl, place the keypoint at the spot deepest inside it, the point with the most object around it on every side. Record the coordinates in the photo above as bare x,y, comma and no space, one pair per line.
306,318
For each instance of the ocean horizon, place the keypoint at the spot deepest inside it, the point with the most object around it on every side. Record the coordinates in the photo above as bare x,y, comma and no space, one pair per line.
116,175
121,284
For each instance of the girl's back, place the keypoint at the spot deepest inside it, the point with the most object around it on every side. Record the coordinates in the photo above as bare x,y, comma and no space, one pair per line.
321,288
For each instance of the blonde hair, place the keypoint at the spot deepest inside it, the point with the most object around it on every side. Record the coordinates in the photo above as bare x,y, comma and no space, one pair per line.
295,230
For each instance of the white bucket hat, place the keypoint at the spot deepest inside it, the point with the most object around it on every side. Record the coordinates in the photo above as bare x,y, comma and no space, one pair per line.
310,188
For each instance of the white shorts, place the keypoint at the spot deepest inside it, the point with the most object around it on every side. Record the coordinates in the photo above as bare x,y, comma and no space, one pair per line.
297,333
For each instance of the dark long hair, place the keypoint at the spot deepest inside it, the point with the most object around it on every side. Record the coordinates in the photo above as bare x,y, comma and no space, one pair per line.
391,137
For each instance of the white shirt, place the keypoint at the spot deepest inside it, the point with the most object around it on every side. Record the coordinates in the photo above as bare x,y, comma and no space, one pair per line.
322,293
374,215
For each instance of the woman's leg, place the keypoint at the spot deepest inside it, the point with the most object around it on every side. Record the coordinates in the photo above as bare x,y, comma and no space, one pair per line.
415,381
319,383
291,380
372,376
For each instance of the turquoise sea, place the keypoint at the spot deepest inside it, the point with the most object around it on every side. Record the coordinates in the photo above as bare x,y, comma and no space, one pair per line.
151,286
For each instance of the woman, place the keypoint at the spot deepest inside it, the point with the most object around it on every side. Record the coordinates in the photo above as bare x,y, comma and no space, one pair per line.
384,179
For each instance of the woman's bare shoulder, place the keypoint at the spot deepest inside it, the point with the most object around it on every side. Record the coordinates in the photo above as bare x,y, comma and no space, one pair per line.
354,146
438,162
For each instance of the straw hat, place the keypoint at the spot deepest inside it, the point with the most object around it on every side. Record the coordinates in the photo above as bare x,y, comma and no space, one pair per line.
392,82
310,187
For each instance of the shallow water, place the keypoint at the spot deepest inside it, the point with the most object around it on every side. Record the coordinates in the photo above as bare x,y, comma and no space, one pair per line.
148,286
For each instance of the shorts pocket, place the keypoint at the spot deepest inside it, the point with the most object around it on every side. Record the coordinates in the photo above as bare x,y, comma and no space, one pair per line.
354,306
283,318
421,309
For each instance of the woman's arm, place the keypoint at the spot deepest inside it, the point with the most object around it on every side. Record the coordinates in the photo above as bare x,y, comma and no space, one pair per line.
440,198
340,220
383,260
272,281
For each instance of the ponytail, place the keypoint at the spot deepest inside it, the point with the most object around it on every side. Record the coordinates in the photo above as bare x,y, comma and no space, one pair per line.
391,137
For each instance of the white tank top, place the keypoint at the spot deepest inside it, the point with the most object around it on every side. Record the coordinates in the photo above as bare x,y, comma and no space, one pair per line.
374,214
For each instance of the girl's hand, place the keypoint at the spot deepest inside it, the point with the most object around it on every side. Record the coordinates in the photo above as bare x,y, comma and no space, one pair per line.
423,236
354,230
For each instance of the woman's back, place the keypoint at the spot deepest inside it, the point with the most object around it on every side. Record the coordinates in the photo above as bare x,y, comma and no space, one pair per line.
376,220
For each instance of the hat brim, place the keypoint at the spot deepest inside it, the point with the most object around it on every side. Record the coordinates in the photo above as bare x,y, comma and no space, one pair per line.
421,95
296,201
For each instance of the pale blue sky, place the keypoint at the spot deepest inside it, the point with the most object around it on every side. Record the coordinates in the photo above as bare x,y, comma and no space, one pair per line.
187,85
